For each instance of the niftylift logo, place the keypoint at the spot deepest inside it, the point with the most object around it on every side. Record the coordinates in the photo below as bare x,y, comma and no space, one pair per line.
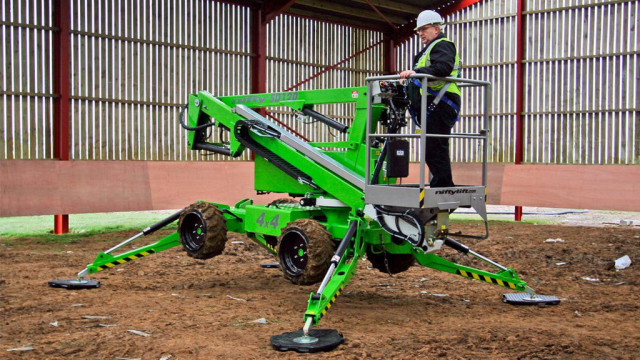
457,191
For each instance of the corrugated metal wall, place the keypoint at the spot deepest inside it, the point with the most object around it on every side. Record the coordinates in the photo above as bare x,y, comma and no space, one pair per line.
581,79
582,82
135,61
300,49
486,37
133,65
26,92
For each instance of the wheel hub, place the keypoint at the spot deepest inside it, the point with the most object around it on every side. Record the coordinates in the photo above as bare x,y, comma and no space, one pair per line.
193,231
293,252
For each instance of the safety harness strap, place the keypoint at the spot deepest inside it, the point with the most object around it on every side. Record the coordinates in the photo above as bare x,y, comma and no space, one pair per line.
439,96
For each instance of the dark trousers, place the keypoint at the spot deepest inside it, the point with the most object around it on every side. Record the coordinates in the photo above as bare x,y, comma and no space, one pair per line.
440,121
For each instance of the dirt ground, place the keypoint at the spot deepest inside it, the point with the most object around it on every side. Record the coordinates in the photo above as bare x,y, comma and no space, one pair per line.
196,309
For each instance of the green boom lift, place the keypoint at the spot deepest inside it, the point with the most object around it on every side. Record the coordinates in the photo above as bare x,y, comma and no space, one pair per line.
351,200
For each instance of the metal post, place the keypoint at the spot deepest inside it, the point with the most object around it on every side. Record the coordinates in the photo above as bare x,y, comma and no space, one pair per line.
60,224
423,133
367,165
259,59
519,94
518,213
259,49
61,87
390,52
485,141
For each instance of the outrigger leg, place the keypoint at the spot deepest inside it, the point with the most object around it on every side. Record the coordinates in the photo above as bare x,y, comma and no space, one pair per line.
505,277
339,273
105,260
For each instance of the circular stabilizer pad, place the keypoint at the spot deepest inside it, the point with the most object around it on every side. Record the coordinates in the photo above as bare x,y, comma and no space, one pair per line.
75,284
526,299
327,339
270,265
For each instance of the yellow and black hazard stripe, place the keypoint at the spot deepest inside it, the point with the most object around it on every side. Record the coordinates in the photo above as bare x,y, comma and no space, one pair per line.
422,198
333,300
125,260
488,279
269,246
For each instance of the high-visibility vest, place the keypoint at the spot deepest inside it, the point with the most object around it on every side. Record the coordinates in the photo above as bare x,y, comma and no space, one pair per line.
425,60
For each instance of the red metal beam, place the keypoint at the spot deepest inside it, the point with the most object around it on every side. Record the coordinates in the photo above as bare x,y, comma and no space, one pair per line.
448,10
61,87
274,8
519,83
259,48
61,79
395,28
259,61
390,51
405,32
60,224
334,65
520,38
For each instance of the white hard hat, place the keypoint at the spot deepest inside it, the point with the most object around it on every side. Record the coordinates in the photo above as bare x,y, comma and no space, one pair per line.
428,17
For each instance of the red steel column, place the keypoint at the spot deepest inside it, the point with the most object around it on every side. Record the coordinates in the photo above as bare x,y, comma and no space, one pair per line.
390,51
61,87
520,38
259,59
259,50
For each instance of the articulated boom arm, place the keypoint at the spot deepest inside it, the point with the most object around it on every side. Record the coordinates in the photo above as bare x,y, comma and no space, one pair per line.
341,177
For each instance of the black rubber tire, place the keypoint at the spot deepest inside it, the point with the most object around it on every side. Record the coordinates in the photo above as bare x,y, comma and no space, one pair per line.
304,265
397,262
202,229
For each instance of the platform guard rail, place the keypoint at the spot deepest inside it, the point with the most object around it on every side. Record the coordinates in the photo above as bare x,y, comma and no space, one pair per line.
413,194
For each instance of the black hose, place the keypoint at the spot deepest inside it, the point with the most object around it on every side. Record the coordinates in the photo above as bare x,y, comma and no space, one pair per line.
162,223
212,148
192,128
378,168
404,215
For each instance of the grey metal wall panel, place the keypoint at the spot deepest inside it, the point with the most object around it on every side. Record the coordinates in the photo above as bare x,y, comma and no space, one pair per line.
582,76
135,61
581,79
300,49
26,91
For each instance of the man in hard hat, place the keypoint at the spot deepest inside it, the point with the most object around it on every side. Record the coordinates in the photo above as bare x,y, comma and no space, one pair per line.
439,58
